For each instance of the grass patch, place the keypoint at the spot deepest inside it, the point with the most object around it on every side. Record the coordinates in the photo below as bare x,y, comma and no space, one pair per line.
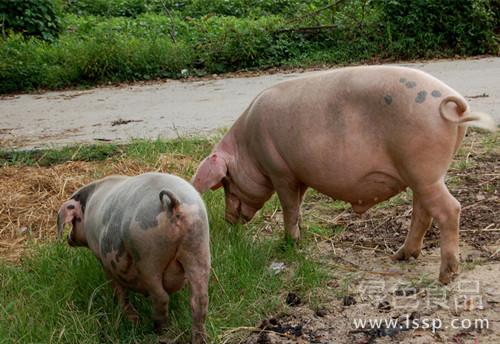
145,151
59,294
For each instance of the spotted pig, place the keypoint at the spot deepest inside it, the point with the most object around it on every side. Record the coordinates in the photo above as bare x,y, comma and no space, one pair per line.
151,234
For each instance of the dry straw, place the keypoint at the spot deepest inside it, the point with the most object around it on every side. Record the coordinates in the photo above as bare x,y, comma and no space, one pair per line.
31,196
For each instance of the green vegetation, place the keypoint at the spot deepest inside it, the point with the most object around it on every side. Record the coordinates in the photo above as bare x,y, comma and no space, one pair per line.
124,40
39,18
146,151
59,294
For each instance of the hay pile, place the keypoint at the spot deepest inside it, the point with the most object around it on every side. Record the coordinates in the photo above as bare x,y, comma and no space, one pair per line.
31,196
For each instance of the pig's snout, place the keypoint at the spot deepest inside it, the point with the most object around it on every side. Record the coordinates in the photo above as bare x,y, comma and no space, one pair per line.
71,240
233,208
231,218
234,219
238,212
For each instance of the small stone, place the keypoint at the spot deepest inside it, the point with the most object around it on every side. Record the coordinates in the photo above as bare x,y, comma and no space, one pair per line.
22,230
384,306
321,312
348,300
293,299
414,315
264,338
265,325
333,284
277,267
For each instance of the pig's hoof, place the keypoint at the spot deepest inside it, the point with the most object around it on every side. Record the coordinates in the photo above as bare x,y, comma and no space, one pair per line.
199,338
405,254
290,242
448,272
165,340
133,318
159,325
131,314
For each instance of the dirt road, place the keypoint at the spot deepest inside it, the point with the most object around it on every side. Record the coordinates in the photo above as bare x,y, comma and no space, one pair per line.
168,109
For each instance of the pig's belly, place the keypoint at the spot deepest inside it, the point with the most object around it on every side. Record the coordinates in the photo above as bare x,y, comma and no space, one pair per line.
125,272
363,193
173,277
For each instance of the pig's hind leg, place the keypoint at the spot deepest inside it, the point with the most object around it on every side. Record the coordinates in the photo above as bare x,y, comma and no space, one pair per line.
196,264
122,297
420,223
445,209
160,299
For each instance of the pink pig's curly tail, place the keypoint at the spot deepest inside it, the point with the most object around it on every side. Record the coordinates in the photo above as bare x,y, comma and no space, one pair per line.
461,114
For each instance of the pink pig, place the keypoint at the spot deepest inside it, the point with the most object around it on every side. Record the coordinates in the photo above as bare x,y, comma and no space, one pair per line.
361,135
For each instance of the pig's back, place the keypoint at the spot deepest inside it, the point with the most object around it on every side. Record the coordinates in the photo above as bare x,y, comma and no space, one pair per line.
133,204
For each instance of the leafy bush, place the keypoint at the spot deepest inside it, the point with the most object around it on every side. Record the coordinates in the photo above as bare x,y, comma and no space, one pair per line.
443,27
124,49
191,8
236,8
31,17
134,45
107,8
228,43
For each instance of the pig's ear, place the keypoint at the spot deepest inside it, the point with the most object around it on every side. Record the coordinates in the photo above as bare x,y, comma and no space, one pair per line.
210,173
68,212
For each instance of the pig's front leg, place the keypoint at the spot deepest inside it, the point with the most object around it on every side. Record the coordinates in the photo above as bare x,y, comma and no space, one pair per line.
122,296
290,195
420,223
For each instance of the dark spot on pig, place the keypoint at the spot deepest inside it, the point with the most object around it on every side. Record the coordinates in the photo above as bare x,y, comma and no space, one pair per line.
113,225
388,99
128,264
411,84
128,282
71,206
421,97
436,94
402,80
83,195
113,265
146,216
